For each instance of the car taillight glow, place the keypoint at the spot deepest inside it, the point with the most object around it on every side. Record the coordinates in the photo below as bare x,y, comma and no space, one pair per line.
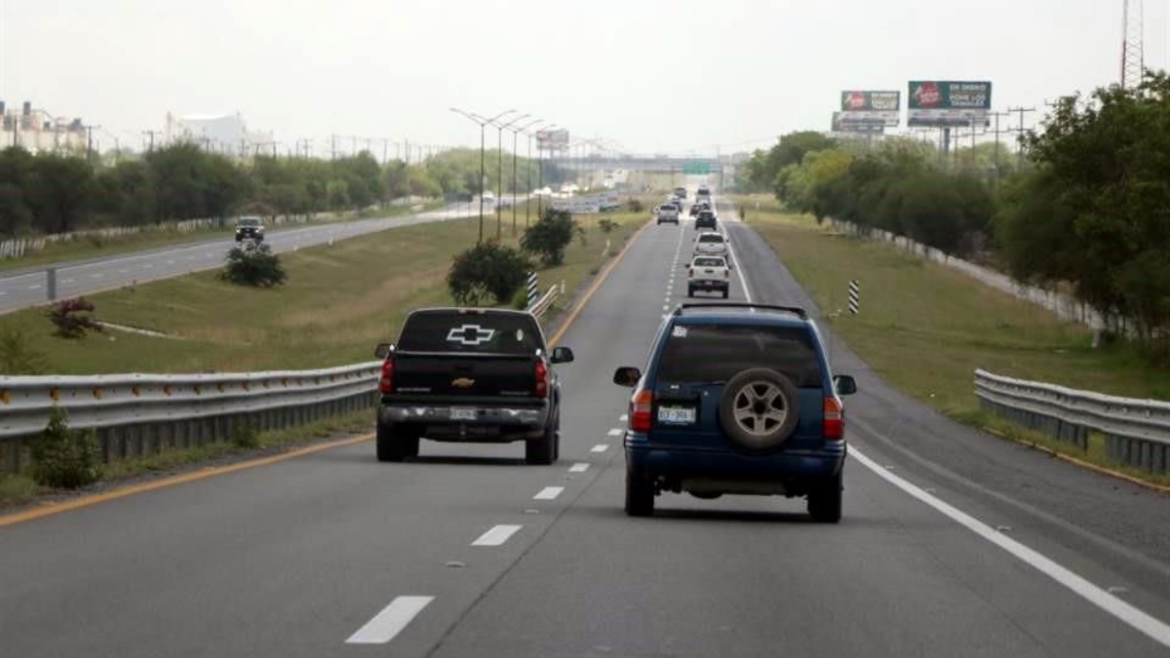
386,382
541,388
641,410
834,423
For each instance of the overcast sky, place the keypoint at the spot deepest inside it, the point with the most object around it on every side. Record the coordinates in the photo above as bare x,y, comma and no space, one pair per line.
655,76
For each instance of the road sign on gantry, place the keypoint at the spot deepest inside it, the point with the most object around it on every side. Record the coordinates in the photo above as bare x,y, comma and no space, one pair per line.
696,168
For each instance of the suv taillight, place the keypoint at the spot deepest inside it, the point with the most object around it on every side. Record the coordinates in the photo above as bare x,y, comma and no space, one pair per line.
386,383
541,388
641,410
834,423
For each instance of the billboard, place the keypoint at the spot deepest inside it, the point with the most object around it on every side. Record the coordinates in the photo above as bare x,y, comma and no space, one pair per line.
948,103
881,108
842,123
552,140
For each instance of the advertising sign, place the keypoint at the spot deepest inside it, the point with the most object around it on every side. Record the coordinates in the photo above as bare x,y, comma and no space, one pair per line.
842,123
872,107
948,103
552,140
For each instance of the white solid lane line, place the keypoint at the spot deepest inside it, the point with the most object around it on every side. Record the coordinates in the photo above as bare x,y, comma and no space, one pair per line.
580,467
548,493
497,535
617,431
600,447
1156,629
36,287
390,622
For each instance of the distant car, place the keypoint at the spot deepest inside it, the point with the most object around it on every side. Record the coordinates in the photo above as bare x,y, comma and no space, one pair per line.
711,243
708,274
681,192
470,375
705,220
250,228
704,191
736,399
667,213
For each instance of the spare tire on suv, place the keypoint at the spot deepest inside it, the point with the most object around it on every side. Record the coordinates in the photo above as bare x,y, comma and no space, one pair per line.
759,410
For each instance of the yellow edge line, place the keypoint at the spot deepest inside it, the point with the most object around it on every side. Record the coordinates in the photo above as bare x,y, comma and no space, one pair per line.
95,499
86,501
1082,463
593,288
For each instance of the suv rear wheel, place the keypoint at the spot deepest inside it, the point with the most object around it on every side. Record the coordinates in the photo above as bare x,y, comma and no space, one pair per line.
824,501
396,443
546,449
639,494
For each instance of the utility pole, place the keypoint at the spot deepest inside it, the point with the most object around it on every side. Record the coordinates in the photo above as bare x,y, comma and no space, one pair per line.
333,147
997,115
1020,130
1133,64
150,134
89,142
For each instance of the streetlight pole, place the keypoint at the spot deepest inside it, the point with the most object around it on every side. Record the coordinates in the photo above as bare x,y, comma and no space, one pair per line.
500,171
482,122
515,137
528,199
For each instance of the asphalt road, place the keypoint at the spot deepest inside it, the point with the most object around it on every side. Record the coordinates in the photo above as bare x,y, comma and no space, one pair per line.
23,289
953,543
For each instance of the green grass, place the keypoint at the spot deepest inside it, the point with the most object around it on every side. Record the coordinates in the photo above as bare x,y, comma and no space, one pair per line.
927,328
17,490
339,302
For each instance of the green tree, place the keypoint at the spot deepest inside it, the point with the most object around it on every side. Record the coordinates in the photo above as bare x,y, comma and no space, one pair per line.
59,191
549,237
488,271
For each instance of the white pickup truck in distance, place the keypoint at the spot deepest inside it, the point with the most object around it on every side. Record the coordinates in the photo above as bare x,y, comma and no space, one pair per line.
711,243
708,273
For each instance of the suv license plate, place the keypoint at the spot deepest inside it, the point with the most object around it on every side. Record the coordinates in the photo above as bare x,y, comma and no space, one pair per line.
464,414
676,415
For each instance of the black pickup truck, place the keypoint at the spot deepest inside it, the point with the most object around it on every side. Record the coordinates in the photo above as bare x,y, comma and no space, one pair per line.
470,376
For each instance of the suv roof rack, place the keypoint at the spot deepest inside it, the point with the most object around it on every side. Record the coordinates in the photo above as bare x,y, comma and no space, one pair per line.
770,307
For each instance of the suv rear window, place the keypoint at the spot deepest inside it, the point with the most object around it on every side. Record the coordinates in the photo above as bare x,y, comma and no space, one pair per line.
492,333
710,237
716,353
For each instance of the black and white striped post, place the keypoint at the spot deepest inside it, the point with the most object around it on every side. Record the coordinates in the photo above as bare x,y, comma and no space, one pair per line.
854,297
533,289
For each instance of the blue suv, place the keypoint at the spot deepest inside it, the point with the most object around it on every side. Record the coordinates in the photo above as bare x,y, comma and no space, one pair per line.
736,399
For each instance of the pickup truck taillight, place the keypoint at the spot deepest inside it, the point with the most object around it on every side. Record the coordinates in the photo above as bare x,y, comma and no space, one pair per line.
834,423
641,410
386,382
541,388
690,273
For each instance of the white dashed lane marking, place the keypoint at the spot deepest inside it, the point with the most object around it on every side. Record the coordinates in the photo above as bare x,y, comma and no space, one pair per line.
548,493
390,622
617,431
600,447
579,468
497,535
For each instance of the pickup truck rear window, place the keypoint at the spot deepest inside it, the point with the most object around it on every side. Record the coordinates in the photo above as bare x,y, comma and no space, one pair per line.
709,262
488,333
716,353
711,237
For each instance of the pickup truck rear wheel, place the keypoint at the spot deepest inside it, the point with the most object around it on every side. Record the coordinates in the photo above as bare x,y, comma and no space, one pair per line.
396,443
546,449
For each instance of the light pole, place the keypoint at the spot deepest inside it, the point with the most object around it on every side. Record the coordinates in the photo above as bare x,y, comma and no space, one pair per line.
475,118
515,136
528,200
500,171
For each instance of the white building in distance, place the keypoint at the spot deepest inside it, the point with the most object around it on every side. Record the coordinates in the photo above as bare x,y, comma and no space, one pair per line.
226,133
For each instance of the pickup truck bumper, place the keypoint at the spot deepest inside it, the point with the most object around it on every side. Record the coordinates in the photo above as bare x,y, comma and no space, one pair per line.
709,284
469,420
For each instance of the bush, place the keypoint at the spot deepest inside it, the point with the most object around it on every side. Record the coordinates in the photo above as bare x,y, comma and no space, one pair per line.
635,205
549,237
73,317
607,225
245,435
487,271
17,357
253,266
63,458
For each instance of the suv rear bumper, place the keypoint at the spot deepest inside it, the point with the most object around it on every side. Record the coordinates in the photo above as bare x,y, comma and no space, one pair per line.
795,469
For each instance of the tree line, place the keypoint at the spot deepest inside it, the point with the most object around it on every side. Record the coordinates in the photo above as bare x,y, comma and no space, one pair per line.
54,193
1089,211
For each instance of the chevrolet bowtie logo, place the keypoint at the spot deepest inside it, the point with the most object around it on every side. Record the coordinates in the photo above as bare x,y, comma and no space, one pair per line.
463,382
471,335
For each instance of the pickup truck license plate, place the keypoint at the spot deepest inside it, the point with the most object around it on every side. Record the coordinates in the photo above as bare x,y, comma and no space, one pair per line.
464,414
676,415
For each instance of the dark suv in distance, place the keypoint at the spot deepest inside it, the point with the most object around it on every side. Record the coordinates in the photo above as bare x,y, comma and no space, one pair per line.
249,228
736,399
705,220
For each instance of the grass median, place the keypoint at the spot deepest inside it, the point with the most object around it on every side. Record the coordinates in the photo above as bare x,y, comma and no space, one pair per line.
926,328
339,302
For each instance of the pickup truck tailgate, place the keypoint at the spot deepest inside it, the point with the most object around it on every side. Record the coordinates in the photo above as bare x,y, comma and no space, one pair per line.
466,374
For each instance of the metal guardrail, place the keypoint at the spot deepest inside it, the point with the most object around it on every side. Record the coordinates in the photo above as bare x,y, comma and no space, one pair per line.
543,304
1137,432
139,414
